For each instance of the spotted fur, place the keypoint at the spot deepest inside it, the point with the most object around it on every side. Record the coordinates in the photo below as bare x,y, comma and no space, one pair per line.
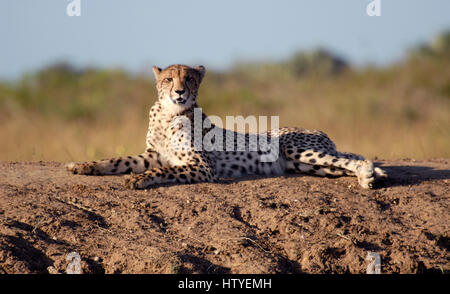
164,161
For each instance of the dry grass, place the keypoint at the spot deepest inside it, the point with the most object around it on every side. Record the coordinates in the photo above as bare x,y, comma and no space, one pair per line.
401,111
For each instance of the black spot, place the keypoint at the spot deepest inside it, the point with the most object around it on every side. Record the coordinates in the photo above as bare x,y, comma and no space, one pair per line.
297,156
308,154
321,155
312,160
289,151
316,167
183,176
129,170
114,170
335,160
127,163
234,166
134,161
192,174
249,156
111,161
171,176
146,163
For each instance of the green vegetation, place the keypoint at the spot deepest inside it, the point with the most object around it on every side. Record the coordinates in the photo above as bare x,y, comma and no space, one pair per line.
62,113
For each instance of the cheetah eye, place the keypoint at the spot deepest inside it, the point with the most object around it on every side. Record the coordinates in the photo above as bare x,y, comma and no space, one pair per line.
167,80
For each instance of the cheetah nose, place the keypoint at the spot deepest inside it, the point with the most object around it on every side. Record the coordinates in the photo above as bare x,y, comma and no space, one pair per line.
179,92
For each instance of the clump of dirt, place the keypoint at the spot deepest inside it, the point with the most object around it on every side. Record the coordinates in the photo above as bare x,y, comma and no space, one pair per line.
294,224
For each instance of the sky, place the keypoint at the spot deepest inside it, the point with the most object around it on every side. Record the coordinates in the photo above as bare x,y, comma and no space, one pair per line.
136,34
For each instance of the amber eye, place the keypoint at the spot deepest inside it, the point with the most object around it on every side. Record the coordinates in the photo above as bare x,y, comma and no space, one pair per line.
167,80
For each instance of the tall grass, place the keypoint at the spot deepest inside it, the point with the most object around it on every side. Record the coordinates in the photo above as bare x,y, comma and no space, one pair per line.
61,113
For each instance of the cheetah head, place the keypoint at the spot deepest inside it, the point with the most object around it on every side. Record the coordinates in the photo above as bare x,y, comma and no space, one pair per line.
178,85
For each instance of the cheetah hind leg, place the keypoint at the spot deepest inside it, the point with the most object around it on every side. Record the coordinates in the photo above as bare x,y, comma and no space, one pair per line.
323,171
378,172
323,164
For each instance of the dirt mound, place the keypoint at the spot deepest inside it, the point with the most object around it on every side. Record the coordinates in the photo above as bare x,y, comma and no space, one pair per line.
295,224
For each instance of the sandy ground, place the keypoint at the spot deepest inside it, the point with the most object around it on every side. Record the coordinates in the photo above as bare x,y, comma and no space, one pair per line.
294,224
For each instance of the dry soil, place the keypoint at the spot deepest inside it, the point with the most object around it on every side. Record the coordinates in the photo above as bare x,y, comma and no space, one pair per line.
292,224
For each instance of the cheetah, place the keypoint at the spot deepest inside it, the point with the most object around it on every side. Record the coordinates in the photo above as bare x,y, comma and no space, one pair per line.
171,156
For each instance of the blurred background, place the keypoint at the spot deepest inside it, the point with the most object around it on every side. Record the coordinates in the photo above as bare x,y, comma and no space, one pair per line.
75,88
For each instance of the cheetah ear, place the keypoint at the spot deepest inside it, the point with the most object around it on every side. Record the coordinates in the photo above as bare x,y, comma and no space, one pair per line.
201,70
156,71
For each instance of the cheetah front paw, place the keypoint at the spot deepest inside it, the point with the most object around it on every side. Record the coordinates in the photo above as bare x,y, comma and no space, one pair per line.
135,182
81,168
366,175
